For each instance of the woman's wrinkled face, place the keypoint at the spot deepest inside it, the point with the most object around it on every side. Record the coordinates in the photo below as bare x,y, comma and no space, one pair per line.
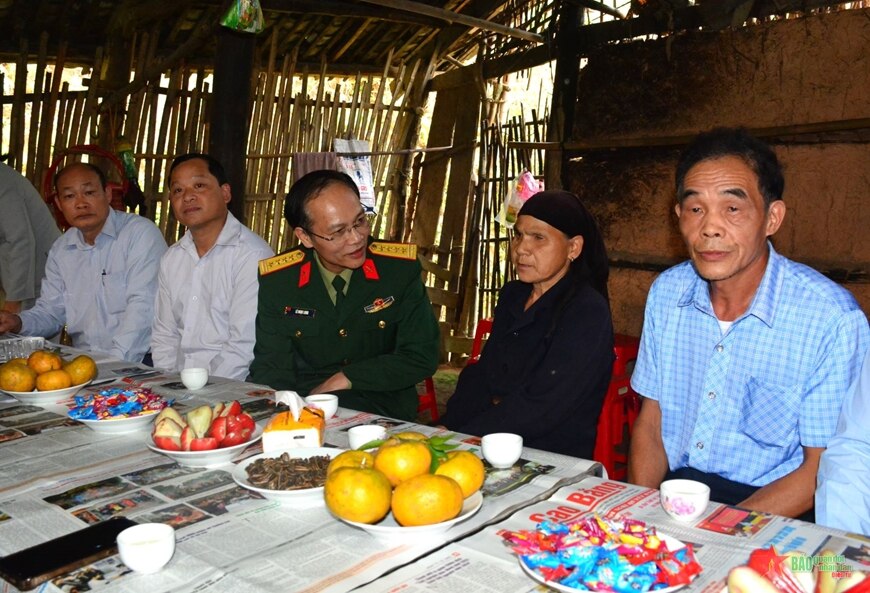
542,254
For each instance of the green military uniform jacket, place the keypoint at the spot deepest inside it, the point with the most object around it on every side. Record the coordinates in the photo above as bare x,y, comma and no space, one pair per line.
384,337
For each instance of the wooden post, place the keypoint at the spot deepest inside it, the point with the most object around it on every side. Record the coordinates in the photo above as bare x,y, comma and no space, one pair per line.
561,126
228,120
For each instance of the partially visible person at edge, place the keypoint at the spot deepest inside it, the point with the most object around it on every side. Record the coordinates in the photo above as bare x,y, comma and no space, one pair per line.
27,231
343,314
843,494
207,285
546,366
745,355
101,275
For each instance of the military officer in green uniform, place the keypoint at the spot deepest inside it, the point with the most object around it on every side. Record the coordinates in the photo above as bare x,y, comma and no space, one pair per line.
343,314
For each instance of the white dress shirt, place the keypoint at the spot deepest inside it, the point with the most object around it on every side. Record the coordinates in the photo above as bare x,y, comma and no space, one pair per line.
104,292
206,306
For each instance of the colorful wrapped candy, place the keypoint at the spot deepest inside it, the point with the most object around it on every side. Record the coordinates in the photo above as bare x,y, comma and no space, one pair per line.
595,554
116,402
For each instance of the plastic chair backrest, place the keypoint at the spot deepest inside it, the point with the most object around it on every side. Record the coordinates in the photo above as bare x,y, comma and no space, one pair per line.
484,328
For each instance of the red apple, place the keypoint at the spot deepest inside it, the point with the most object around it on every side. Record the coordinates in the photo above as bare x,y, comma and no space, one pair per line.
218,429
187,437
203,444
236,437
167,434
167,443
232,409
199,419
240,421
218,408
172,414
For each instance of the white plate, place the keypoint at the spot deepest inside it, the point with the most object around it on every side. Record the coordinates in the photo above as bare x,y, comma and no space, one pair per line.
388,529
46,397
120,425
302,497
208,458
673,544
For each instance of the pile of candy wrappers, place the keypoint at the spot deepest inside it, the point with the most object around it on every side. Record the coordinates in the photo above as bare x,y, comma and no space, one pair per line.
598,554
116,402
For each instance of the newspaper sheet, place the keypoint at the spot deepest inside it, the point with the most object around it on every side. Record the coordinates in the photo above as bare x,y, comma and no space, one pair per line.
57,476
722,538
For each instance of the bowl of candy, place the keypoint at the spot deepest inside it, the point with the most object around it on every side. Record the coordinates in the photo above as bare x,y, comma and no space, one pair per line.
596,554
117,410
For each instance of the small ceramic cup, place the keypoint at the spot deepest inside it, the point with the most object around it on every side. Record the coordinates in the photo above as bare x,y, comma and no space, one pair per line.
684,500
502,449
146,548
358,436
194,378
325,401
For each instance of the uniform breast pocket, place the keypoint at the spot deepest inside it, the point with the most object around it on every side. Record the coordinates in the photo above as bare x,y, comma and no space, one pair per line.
115,290
381,325
769,413
299,329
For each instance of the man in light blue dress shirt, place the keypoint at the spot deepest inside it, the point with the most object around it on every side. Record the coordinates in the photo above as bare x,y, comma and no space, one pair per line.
745,355
843,495
101,275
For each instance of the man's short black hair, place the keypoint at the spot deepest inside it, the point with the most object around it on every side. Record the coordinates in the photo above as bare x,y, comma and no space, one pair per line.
89,166
722,142
214,166
309,187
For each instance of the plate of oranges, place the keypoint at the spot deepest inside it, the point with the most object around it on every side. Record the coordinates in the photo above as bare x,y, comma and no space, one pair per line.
46,378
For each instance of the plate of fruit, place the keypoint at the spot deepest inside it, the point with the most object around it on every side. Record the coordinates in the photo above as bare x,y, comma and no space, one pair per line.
411,488
291,476
46,378
206,436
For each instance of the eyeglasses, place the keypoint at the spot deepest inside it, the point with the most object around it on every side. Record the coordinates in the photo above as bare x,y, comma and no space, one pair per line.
361,226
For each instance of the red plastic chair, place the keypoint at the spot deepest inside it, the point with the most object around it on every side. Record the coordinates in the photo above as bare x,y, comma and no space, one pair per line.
428,402
484,328
620,410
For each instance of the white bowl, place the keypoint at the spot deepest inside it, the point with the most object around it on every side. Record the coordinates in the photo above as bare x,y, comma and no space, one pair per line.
54,396
146,548
684,500
194,378
209,458
501,449
357,436
120,425
303,497
325,401
673,544
387,529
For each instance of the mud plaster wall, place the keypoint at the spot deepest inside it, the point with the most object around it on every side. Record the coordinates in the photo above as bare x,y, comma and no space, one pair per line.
808,70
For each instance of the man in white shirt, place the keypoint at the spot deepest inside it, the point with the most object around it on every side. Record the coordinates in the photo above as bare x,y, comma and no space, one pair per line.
207,286
99,276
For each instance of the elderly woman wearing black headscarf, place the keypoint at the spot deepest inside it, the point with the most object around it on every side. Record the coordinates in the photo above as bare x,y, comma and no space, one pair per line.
547,364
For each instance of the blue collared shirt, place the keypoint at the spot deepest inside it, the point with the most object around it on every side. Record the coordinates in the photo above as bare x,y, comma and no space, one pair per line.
742,404
104,292
843,495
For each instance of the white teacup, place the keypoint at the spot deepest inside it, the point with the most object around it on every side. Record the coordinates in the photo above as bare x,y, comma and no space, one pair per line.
358,436
684,500
325,401
194,378
146,548
502,449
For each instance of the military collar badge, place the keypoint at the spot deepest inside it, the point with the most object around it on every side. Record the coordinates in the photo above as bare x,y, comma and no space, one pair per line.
379,304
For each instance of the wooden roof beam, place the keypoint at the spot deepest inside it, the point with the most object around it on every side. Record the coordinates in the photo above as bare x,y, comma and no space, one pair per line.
338,8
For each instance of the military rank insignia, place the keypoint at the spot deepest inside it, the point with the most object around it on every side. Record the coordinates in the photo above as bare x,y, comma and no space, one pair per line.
379,304
279,262
397,250
299,312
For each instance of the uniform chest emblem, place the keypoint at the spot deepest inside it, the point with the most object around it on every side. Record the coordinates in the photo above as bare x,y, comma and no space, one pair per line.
299,312
379,304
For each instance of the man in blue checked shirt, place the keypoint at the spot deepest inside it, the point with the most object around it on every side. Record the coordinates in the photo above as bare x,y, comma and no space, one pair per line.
745,355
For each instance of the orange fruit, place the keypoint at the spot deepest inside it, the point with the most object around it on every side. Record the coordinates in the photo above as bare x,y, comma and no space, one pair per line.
358,494
410,435
426,499
351,458
81,369
17,377
403,460
51,380
43,361
18,361
466,468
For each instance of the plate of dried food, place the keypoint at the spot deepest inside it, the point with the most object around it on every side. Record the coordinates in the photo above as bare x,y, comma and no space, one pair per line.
291,476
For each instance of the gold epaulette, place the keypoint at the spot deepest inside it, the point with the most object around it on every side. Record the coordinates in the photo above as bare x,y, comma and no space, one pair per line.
398,250
281,261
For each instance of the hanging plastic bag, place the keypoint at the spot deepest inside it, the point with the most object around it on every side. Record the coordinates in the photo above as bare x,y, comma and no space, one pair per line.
245,16
523,188
359,167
